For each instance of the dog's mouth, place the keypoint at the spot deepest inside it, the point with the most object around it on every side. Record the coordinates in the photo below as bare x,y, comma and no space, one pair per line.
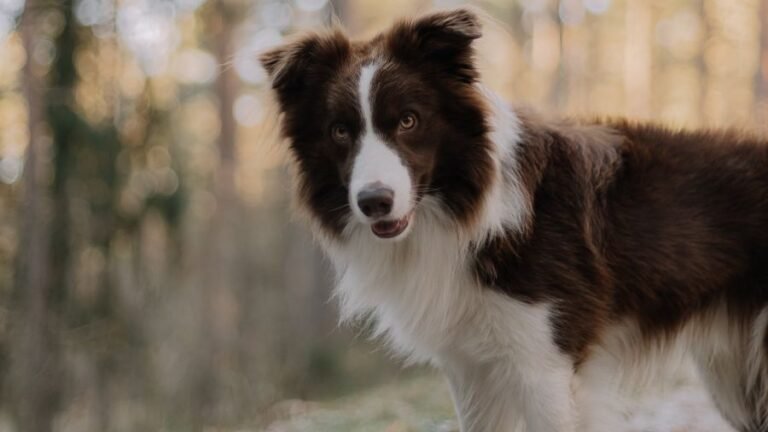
388,229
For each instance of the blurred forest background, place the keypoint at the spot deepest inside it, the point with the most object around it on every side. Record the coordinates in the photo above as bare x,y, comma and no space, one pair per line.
151,277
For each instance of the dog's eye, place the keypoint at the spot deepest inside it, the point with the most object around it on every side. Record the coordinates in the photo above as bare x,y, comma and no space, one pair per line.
408,121
339,133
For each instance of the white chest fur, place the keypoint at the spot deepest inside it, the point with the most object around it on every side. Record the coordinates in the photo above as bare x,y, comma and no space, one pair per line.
418,290
426,303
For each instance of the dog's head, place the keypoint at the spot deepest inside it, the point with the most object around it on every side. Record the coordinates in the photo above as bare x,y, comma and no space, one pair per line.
375,127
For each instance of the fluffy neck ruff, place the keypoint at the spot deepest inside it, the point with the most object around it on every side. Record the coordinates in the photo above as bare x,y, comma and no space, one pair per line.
508,203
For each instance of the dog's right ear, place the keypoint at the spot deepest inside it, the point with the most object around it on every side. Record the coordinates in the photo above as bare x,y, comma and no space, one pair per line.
443,38
313,58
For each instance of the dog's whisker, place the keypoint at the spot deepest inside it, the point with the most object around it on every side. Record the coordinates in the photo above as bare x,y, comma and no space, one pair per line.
341,207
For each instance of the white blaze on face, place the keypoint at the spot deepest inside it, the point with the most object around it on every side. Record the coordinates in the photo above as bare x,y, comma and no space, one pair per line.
376,163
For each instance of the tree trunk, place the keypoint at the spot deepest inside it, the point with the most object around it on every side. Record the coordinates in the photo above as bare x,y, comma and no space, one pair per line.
226,89
35,362
217,290
762,77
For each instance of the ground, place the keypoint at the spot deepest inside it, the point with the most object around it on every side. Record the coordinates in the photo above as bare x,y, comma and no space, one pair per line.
423,404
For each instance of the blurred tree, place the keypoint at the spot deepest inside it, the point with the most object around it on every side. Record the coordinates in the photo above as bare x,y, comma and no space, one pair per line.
75,232
35,357
762,77
220,289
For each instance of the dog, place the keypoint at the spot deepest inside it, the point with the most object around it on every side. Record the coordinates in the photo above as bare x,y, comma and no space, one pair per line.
537,263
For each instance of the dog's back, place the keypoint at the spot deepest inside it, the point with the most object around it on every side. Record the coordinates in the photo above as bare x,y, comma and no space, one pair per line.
649,238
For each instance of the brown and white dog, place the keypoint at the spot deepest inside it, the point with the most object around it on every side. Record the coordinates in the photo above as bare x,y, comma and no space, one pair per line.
536,263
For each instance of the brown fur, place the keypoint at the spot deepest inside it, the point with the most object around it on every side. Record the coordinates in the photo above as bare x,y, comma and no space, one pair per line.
645,222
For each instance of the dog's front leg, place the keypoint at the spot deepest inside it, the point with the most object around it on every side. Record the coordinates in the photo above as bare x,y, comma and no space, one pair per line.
500,397
547,400
483,397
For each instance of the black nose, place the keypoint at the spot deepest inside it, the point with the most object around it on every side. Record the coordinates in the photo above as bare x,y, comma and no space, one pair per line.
375,202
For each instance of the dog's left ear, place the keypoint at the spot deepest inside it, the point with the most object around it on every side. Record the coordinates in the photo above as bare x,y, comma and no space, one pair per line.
444,38
305,62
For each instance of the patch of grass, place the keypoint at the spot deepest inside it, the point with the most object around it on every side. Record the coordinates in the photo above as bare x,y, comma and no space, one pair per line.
409,405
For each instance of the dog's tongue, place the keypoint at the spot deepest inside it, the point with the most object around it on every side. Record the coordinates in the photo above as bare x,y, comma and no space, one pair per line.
391,228
386,228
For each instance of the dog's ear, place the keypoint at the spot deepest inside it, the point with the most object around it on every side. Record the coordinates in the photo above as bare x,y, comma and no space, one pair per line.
305,62
443,37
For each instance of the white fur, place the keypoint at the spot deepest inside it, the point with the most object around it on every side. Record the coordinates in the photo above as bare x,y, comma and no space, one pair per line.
377,163
505,369
730,359
757,364
622,364
507,206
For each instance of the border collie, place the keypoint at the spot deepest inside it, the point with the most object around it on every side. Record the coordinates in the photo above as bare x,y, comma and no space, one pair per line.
538,264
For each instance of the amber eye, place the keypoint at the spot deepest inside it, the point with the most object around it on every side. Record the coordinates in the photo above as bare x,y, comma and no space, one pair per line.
340,133
408,121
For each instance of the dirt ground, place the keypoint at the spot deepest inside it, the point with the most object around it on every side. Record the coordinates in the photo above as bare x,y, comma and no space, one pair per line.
422,404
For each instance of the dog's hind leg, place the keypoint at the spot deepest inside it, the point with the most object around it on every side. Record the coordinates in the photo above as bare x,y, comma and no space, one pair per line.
733,363
599,400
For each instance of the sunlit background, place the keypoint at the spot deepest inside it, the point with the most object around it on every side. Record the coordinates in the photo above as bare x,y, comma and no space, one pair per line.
151,277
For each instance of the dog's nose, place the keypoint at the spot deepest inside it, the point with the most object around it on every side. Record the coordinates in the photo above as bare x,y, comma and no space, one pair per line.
375,202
